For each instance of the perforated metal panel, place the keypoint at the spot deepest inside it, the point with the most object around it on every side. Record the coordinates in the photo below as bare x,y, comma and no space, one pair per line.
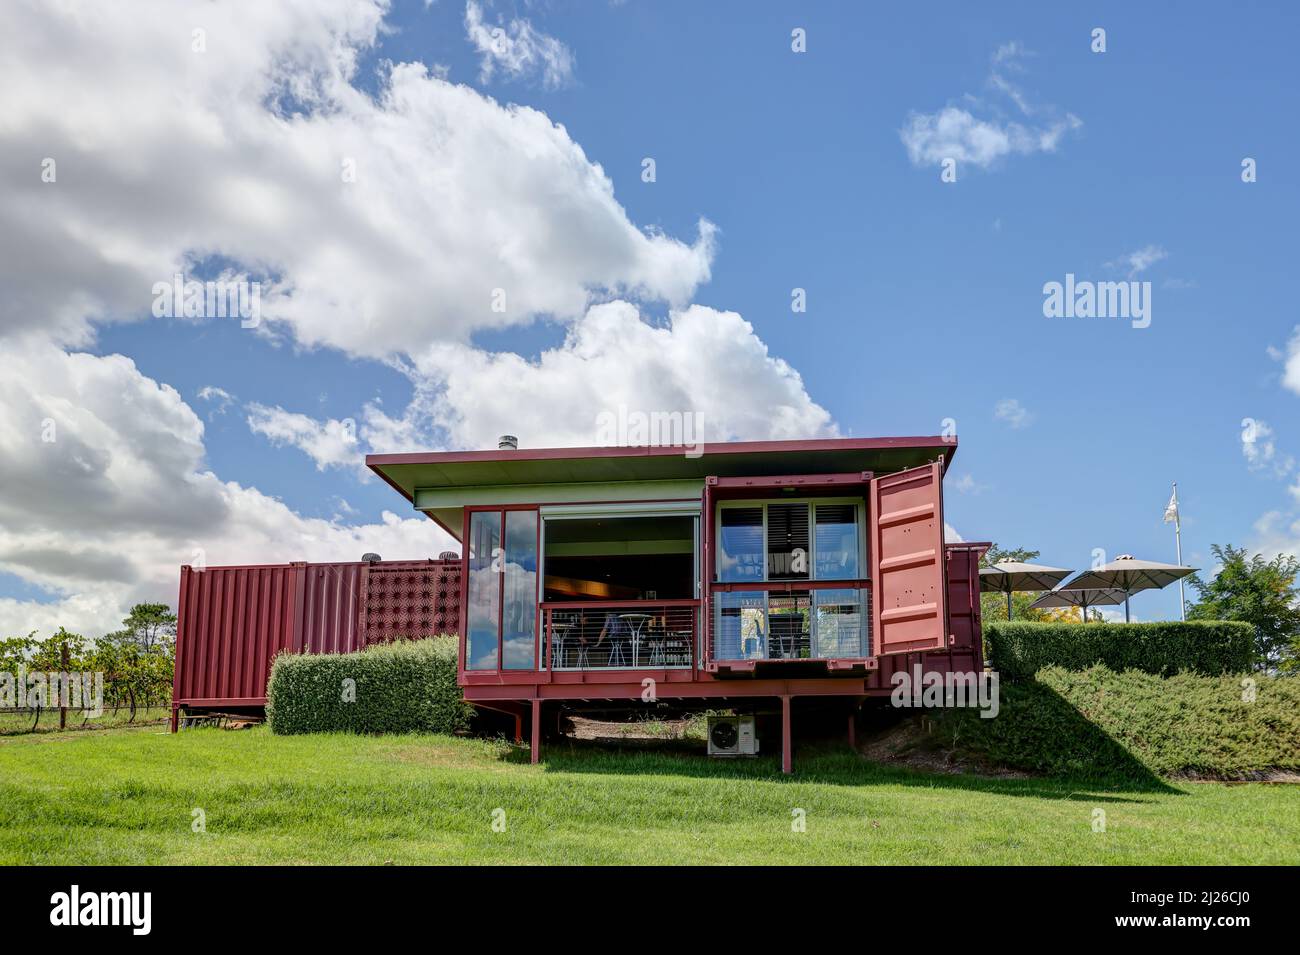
411,600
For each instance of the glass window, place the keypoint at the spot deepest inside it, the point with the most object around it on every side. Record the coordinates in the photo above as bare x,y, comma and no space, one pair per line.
787,542
520,587
837,542
740,626
772,542
740,544
838,624
611,557
788,620
484,590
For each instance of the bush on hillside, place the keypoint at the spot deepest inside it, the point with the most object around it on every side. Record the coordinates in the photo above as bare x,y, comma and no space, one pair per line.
1097,723
1018,650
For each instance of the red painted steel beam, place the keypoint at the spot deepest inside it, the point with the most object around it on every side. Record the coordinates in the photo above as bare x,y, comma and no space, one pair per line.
614,604
853,477
223,701
716,690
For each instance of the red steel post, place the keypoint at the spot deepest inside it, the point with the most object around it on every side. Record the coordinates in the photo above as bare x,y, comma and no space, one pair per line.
537,730
787,750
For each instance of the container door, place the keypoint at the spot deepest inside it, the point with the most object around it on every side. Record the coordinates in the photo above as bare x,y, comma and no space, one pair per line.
907,561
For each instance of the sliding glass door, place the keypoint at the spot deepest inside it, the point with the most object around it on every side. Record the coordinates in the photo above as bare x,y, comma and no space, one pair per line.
502,590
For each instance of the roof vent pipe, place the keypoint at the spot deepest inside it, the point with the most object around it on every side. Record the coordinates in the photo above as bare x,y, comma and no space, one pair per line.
508,442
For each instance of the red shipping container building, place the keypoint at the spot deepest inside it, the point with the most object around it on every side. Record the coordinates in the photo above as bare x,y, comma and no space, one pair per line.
719,575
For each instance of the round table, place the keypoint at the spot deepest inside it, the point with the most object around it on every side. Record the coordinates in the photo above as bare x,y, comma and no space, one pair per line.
636,623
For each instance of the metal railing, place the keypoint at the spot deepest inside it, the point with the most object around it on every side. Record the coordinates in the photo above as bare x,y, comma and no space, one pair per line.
609,635
817,623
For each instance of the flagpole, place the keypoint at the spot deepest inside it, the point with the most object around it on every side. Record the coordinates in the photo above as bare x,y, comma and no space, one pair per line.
1178,545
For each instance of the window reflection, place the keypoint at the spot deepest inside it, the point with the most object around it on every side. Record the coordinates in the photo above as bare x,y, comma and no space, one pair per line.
740,544
740,626
519,622
484,592
836,538
838,624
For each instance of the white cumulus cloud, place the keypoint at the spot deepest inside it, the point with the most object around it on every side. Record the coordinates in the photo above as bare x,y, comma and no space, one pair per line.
375,223
106,494
981,135
1139,260
331,443
704,361
1291,363
1259,448
518,49
391,225
1013,413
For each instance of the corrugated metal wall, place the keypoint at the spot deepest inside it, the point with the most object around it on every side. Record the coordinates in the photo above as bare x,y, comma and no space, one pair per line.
331,608
232,621
965,653
964,594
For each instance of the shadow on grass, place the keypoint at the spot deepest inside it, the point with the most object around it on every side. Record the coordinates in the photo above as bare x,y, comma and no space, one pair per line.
821,763
1037,729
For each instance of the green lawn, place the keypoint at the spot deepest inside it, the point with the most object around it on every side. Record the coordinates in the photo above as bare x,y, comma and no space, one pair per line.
128,796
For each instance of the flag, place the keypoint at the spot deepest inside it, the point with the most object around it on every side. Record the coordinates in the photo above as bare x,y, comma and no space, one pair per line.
1171,509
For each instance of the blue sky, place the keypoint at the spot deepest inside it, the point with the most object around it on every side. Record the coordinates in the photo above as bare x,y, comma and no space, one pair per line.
924,297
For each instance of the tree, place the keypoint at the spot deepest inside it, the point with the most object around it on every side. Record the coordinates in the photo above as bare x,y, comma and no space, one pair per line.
1259,592
17,651
149,628
996,555
47,655
138,660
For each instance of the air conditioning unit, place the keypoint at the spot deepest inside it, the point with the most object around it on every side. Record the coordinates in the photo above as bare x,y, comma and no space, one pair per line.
732,736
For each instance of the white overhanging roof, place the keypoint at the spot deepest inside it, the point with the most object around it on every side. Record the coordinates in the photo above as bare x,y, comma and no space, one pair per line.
442,483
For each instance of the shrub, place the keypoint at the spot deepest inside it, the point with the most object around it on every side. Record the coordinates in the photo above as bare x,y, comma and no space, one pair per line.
1097,723
1018,650
401,687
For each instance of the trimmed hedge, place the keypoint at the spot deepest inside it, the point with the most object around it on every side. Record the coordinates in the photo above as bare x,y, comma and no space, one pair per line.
1098,723
401,687
1018,650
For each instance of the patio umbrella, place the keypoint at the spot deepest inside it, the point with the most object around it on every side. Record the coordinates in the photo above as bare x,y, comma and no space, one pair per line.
1010,576
1130,575
1091,597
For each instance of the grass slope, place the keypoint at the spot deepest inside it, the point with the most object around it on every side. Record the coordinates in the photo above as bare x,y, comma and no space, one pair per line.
128,797
1097,723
